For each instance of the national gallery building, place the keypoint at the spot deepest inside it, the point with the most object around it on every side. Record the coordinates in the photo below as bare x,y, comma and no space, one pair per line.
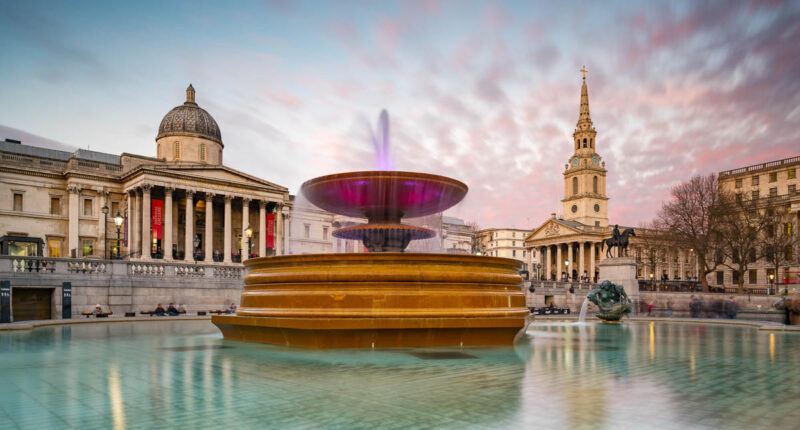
182,204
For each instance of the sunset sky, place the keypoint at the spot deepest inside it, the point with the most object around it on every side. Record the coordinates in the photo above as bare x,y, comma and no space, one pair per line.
484,92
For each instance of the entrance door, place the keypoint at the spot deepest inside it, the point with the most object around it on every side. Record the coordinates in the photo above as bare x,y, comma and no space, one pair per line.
31,303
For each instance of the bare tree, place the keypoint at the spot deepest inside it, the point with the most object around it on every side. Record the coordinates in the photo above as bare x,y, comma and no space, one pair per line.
477,241
739,227
653,237
689,218
780,240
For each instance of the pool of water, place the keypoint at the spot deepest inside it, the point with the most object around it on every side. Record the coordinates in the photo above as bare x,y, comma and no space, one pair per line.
564,375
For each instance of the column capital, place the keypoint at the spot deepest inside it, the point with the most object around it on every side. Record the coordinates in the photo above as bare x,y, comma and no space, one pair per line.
209,196
146,188
103,193
168,189
246,200
227,197
189,193
74,189
262,204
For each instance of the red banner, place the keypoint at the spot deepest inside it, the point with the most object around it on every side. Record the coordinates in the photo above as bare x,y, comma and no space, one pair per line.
156,218
270,230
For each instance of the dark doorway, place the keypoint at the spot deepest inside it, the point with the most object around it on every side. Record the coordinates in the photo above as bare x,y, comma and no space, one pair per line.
31,303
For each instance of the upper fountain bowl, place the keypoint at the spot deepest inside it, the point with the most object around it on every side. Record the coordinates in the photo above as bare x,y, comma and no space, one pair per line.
384,195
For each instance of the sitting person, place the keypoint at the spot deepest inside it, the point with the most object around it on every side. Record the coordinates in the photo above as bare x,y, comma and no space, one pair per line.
98,312
160,311
172,310
232,309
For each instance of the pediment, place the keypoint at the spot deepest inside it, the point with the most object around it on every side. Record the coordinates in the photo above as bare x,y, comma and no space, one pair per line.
551,228
216,174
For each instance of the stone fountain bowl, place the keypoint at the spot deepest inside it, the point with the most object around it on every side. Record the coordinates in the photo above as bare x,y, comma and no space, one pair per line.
379,300
384,195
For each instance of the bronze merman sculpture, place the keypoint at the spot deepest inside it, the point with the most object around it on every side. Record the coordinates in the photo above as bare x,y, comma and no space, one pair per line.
611,300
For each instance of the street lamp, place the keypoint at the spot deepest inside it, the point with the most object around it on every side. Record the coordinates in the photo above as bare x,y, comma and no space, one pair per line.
118,219
196,243
105,229
771,282
566,263
652,283
538,270
249,233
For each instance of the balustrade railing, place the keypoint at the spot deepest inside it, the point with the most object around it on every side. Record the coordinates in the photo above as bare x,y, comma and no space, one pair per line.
32,264
131,268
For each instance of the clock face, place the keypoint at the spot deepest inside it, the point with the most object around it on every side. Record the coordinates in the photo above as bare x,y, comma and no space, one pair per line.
574,208
574,161
597,208
595,160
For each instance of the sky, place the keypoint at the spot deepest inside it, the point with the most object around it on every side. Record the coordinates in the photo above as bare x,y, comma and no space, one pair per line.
484,92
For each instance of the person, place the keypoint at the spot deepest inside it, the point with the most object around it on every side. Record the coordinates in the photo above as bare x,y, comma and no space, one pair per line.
160,311
669,308
98,312
563,276
232,309
693,307
649,308
585,276
172,310
730,308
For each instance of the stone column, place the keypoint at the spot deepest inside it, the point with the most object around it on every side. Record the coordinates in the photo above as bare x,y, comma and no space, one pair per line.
669,263
147,240
546,262
279,233
168,223
682,263
591,261
209,239
136,226
581,265
571,260
227,228
129,217
262,228
189,227
245,223
559,263
102,224
74,221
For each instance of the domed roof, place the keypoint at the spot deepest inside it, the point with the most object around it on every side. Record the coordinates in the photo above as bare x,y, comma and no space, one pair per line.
189,119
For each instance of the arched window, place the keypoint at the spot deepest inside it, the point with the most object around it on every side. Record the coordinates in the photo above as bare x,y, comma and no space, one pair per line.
177,150
574,185
584,142
594,184
202,152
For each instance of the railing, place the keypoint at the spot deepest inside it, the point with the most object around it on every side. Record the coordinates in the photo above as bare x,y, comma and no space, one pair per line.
559,286
762,166
90,267
23,264
697,287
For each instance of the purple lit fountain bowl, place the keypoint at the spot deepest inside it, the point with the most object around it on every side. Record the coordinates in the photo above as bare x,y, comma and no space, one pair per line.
384,196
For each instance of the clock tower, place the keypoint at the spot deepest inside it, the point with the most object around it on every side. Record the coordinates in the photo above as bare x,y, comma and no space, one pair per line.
585,198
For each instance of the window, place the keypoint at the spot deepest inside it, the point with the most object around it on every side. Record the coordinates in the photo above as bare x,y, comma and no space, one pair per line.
514,243
773,191
574,185
735,278
202,152
87,207
87,247
324,233
755,194
114,210
523,253
792,188
791,173
55,206
788,256
773,177
17,202
738,197
54,247
584,142
306,231
594,184
752,276
720,278
739,183
754,181
513,252
177,150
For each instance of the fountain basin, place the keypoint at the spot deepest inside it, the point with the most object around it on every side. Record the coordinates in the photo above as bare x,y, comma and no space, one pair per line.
379,300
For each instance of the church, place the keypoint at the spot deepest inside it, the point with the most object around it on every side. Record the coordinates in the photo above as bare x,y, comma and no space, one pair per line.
571,246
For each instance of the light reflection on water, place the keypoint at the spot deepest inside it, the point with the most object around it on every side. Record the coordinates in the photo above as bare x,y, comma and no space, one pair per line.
562,375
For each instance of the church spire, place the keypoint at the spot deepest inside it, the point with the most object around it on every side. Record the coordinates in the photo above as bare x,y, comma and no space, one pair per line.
584,120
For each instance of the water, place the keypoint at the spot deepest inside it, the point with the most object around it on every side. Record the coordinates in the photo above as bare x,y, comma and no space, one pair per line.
183,374
584,307
381,142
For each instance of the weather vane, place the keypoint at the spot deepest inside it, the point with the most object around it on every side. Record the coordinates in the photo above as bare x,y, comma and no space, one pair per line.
583,70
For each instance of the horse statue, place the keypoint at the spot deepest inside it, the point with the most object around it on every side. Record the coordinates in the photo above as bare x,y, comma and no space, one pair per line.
620,242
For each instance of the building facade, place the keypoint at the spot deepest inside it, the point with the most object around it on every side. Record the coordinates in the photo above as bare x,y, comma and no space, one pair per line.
183,204
456,236
505,242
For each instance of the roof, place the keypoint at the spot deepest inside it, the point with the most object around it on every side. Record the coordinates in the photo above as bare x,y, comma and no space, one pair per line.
453,220
35,151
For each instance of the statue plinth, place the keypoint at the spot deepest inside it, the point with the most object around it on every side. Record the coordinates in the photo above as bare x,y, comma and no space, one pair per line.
621,271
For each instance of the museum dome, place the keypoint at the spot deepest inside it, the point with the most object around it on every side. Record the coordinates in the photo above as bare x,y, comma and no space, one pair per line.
189,119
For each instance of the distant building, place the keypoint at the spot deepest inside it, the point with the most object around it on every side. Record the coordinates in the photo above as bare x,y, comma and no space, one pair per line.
456,236
504,242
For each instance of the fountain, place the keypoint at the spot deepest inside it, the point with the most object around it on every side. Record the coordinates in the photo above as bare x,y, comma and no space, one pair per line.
385,297
611,300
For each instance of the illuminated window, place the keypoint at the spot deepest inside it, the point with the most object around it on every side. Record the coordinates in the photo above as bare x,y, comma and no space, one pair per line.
54,247
792,173
177,150
202,152
87,247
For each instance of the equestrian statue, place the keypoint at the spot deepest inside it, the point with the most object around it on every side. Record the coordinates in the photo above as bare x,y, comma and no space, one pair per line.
618,240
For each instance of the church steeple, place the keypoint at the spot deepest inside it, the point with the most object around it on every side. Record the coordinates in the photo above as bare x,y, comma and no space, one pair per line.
584,119
585,197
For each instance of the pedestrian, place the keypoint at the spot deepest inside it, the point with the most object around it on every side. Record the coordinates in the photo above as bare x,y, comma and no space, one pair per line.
693,307
730,308
669,308
649,309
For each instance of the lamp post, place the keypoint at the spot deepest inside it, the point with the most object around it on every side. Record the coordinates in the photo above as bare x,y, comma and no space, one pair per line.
196,243
118,219
652,283
249,233
566,264
771,282
105,230
538,270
